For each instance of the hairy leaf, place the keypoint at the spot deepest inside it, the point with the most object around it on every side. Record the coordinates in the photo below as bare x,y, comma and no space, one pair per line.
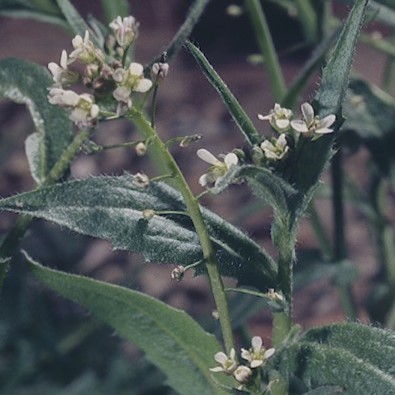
358,358
111,208
236,111
374,345
170,338
313,156
27,83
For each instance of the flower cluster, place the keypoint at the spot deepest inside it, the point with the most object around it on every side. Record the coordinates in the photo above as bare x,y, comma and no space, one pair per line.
256,356
281,119
106,74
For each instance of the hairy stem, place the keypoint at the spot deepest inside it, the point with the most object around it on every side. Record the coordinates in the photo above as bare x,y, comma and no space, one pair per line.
194,211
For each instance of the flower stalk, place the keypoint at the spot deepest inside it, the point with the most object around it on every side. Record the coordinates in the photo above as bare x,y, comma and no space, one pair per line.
194,211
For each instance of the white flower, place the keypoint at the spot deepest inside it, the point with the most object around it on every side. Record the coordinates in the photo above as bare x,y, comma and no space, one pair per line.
85,112
125,30
218,168
257,354
61,75
275,149
313,124
84,50
279,118
130,80
242,374
228,363
63,98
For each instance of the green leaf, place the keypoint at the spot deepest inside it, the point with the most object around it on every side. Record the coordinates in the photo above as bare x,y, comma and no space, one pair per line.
266,185
75,21
170,338
111,208
235,109
374,345
358,358
194,13
313,156
113,8
27,83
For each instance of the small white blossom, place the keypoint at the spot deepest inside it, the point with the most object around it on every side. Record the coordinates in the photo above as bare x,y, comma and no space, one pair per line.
257,354
125,29
84,50
85,112
312,124
63,98
227,363
61,74
130,80
275,149
279,118
218,168
242,374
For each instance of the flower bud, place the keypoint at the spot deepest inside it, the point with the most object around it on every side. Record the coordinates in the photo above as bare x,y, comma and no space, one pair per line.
178,273
140,149
242,374
141,180
148,214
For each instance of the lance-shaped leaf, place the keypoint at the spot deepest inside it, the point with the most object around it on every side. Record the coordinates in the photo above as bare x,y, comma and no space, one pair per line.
374,345
112,208
313,156
171,339
75,20
358,358
27,83
235,109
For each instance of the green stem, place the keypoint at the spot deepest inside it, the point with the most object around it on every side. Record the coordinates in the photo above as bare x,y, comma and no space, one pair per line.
266,46
340,248
308,20
15,235
194,211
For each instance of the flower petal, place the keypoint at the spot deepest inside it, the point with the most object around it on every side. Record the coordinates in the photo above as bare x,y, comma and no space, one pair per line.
221,357
268,353
231,159
327,121
299,126
143,86
282,123
203,181
136,68
216,369
256,362
308,113
264,117
256,343
207,156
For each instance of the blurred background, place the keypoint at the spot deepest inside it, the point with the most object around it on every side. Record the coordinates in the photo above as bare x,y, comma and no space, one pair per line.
51,346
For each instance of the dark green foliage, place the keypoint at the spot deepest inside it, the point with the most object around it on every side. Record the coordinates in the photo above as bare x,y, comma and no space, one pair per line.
27,83
111,208
171,339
